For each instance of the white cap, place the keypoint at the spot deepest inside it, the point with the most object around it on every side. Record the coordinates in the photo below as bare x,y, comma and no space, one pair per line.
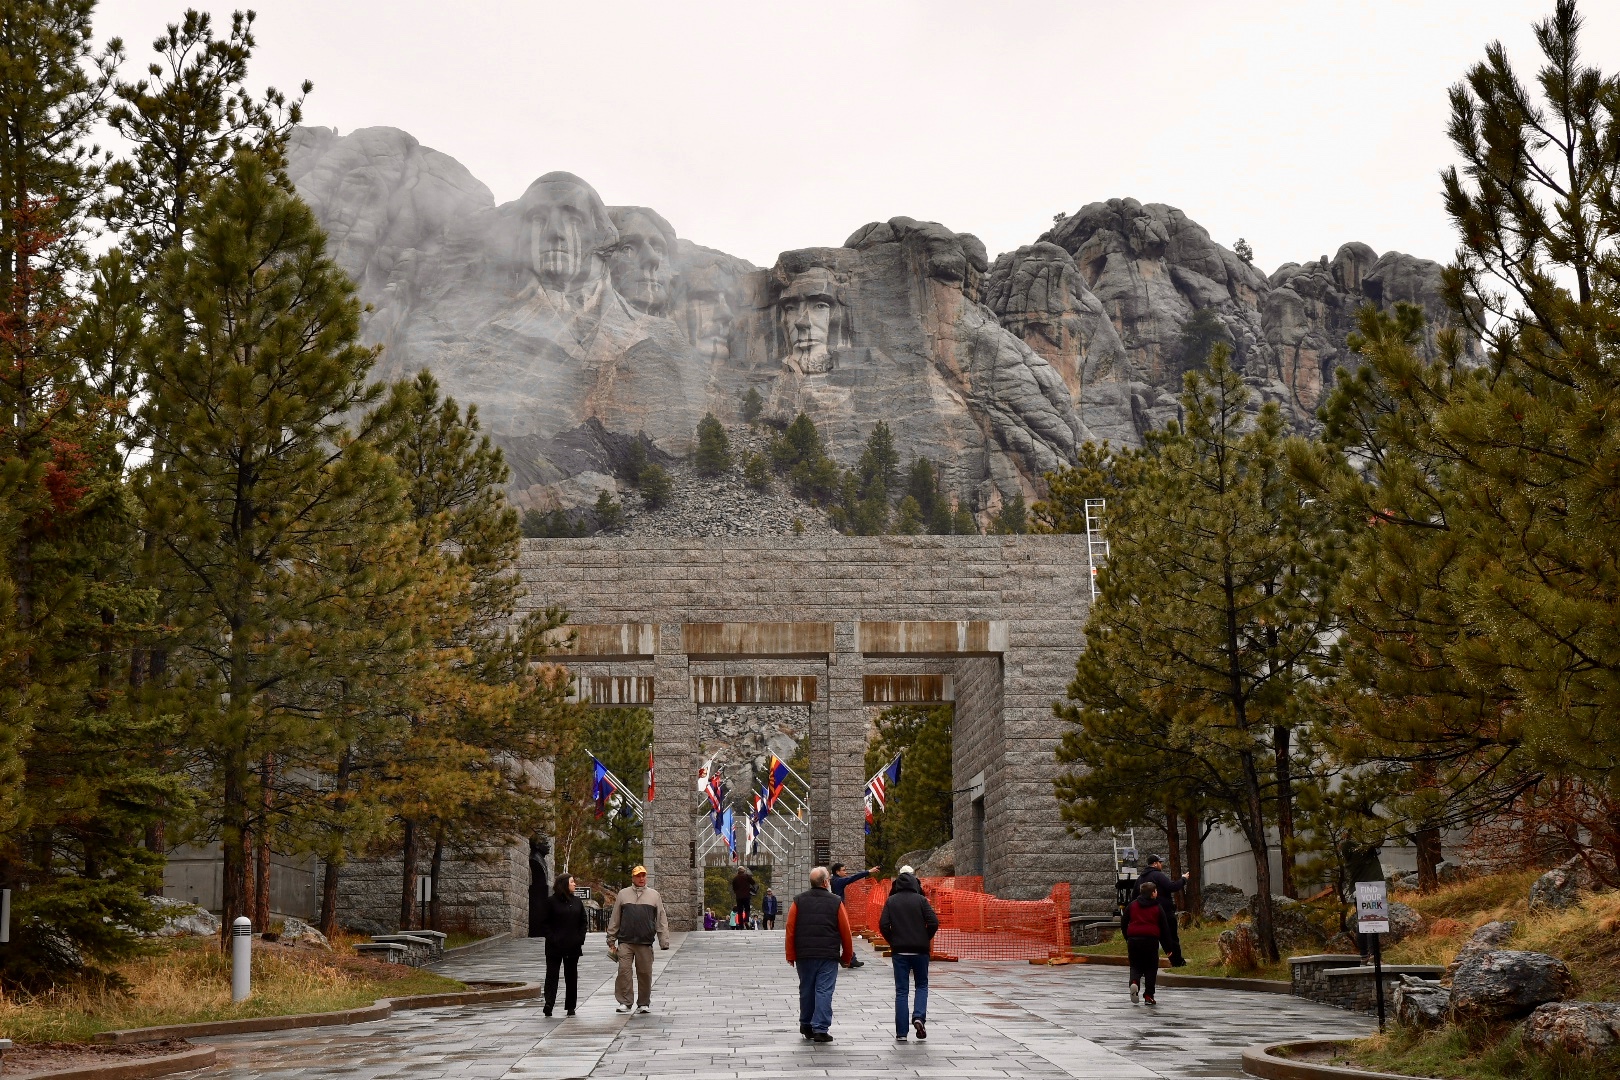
905,870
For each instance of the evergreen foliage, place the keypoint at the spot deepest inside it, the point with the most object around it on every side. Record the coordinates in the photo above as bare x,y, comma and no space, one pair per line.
654,484
1216,605
918,813
757,472
601,851
714,449
752,405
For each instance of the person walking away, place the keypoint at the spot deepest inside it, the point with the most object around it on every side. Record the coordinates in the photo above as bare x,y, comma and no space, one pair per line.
767,908
908,924
565,941
742,888
1143,923
842,881
638,917
818,938
1167,901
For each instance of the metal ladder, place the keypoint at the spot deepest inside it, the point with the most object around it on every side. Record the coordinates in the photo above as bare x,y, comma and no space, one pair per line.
1096,542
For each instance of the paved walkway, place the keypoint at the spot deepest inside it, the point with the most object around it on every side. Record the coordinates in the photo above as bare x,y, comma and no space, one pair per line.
725,1004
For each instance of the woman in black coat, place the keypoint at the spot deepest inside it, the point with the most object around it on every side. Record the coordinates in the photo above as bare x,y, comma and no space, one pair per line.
565,940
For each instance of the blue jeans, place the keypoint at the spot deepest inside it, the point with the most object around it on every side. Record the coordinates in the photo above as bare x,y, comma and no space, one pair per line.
816,981
907,965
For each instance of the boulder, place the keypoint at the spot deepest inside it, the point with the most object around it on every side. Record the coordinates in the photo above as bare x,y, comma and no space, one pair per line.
1223,902
1493,935
298,932
1505,984
1296,933
1404,921
1581,1028
1420,1003
1560,887
1448,872
1343,942
181,919
1239,948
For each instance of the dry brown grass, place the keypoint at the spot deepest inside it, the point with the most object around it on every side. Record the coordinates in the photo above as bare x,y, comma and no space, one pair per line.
190,981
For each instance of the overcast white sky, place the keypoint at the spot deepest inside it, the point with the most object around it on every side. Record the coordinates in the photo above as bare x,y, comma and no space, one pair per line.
757,127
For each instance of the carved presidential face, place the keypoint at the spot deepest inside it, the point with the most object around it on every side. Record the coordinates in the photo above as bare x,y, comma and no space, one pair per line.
640,262
806,310
567,226
709,313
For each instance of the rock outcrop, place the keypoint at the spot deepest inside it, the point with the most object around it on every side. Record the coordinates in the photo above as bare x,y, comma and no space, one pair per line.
1559,888
1580,1028
1505,984
555,312
1421,1003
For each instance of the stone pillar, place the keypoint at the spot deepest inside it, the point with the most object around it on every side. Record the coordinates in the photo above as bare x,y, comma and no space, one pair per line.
820,775
668,828
846,726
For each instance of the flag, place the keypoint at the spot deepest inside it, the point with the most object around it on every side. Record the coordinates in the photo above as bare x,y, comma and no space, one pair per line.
892,773
728,832
874,793
762,806
869,810
602,786
716,791
752,826
652,784
703,776
776,776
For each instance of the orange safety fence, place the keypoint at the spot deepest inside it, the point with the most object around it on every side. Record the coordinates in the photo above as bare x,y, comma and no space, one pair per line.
973,925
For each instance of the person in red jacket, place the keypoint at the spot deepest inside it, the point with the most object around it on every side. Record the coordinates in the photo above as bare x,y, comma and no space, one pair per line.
1143,924
818,938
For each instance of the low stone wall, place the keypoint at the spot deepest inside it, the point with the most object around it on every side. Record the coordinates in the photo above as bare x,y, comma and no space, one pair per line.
1341,980
485,895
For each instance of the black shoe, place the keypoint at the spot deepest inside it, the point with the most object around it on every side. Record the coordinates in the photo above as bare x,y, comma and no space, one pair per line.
570,1012
1178,963
804,1029
1147,999
547,1011
922,1032
857,963
820,1036
900,1037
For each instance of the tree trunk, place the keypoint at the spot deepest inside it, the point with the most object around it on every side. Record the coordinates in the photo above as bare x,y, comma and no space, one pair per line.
433,880
1173,842
329,898
1427,843
407,899
1280,741
261,867
1195,863
1254,828
233,844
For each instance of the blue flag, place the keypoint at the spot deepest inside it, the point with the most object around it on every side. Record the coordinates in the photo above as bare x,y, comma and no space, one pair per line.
602,786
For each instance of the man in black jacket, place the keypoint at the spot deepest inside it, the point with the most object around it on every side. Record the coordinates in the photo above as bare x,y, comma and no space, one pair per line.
1167,903
840,882
818,938
908,924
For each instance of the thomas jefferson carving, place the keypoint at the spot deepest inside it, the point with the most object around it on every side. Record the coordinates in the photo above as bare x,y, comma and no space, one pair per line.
708,311
640,261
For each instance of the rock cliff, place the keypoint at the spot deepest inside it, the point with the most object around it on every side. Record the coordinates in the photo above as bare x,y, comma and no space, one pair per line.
574,325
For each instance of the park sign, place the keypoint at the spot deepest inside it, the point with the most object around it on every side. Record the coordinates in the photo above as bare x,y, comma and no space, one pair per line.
1372,907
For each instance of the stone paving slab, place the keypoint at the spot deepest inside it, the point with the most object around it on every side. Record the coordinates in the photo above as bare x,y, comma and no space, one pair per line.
725,1004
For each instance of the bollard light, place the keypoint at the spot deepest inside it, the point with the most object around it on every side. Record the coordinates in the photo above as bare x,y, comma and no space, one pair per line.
241,959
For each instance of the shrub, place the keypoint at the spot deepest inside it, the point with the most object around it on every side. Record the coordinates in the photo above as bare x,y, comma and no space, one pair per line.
714,448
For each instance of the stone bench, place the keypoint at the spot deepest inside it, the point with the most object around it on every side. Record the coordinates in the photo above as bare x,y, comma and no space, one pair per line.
1342,980
388,952
419,948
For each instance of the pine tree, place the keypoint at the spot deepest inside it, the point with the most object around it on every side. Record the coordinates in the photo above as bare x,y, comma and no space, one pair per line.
74,792
1216,607
908,519
654,485
1012,518
255,482
714,448
918,812
752,405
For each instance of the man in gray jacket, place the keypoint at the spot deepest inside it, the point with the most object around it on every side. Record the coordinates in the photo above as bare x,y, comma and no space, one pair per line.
638,917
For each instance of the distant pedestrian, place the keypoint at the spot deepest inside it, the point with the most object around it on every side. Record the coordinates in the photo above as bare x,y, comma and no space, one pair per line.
767,907
638,917
818,937
1143,922
742,889
565,940
1167,888
908,924
842,881
709,921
